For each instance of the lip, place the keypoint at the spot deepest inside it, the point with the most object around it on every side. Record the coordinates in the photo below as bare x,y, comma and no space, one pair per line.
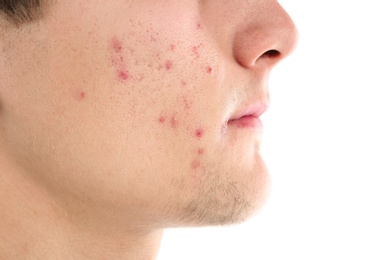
249,116
247,121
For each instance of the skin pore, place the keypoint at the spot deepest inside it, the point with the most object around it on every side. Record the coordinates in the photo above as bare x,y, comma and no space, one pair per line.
116,122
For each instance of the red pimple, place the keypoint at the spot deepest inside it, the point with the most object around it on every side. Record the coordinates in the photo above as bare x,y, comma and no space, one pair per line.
199,132
168,64
198,26
123,75
200,151
209,69
162,119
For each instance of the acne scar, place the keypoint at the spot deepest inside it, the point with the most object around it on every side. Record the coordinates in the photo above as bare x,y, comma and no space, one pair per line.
198,26
200,151
172,47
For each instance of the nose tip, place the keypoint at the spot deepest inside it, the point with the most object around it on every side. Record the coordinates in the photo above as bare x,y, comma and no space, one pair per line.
270,36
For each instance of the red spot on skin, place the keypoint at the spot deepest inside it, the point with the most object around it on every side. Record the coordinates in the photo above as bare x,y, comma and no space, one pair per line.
209,69
195,51
123,74
172,47
82,95
187,104
162,119
198,26
200,151
116,45
118,60
183,83
173,122
195,164
199,132
168,65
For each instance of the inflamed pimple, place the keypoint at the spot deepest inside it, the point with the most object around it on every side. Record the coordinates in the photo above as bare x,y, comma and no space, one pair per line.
123,74
200,151
209,69
199,132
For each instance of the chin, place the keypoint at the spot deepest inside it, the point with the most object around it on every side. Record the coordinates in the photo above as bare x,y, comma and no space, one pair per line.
227,201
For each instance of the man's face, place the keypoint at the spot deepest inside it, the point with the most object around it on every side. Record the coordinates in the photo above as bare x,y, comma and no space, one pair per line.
127,107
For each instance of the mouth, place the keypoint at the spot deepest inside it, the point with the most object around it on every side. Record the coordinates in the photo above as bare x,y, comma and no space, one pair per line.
248,118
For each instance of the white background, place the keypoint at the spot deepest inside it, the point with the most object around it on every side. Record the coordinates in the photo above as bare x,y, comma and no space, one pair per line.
326,144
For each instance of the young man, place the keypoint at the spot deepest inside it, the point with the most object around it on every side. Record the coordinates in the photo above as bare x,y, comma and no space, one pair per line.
119,119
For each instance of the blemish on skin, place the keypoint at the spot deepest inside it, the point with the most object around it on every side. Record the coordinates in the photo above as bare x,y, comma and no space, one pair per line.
118,61
161,119
123,74
172,47
200,151
168,65
198,26
173,122
186,103
195,50
199,132
195,164
82,95
116,45
183,83
209,69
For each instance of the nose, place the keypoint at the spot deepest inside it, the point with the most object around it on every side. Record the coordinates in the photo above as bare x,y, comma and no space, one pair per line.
267,36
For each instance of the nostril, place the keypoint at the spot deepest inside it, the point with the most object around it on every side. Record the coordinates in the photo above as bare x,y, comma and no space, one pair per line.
270,54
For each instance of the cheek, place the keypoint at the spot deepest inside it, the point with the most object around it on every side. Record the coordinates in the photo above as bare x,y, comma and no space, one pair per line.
165,78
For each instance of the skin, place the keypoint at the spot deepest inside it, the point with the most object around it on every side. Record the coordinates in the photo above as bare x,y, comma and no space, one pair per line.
113,122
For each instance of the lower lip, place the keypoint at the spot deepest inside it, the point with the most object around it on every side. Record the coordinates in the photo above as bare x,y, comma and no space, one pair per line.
248,122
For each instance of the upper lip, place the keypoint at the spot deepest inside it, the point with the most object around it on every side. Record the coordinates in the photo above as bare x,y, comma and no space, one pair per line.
255,109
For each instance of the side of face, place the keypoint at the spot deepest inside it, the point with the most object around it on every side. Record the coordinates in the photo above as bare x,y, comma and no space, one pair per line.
123,106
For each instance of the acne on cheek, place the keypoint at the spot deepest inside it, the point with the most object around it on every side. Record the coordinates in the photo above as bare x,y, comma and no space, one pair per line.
118,60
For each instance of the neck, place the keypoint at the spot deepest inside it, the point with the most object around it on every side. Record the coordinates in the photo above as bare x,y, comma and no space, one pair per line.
32,226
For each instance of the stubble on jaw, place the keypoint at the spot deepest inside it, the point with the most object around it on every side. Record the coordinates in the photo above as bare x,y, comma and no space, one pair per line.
218,201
